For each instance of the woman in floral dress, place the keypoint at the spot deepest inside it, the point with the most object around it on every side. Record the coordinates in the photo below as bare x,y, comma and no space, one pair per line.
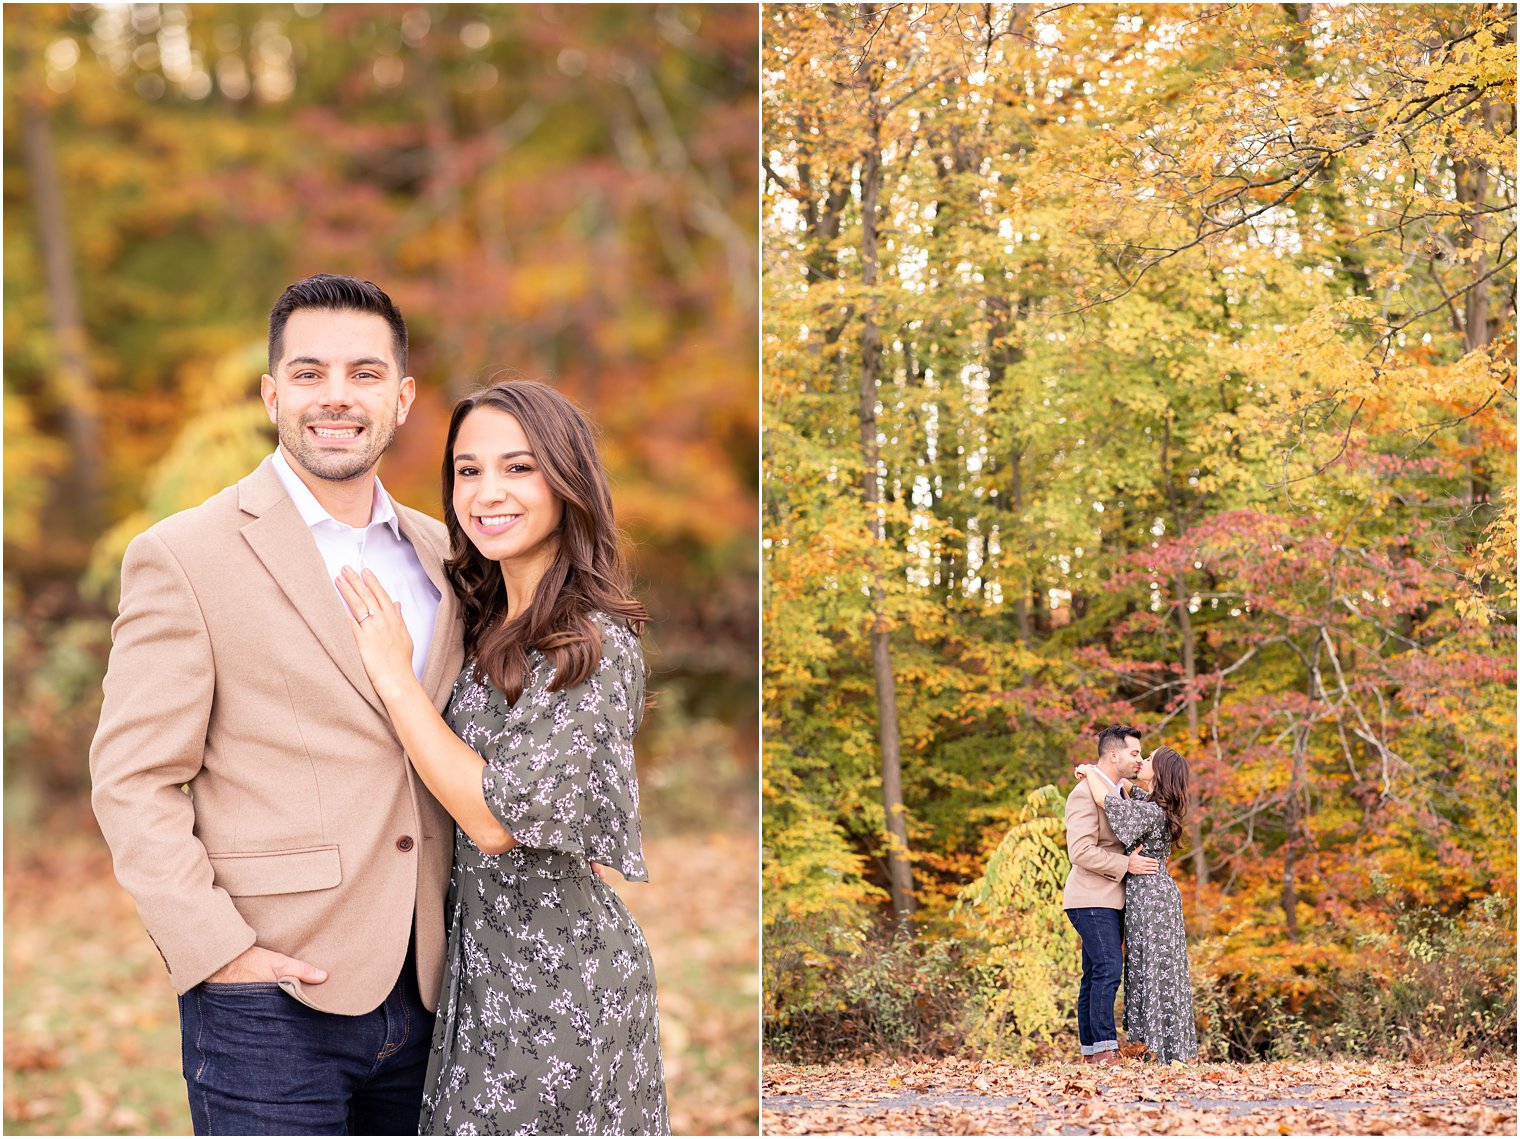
1158,993
547,1023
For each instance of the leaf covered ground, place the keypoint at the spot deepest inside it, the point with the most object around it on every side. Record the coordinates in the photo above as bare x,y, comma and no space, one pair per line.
967,1097
91,1025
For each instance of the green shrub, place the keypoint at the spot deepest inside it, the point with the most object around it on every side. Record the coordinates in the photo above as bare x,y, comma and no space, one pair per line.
1026,958
833,992
1443,986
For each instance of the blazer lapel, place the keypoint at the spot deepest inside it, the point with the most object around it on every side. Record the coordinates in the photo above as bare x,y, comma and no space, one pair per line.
445,654
283,542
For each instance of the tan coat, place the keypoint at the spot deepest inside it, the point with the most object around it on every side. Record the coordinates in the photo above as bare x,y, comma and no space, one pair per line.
1098,861
305,829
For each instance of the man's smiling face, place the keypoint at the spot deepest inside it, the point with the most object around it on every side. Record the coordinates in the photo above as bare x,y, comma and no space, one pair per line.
337,395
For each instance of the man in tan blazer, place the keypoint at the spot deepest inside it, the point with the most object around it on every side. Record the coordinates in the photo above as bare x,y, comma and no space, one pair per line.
285,858
1094,895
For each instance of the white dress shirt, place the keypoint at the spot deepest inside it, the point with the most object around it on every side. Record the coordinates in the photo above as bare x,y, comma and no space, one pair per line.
379,548
1113,787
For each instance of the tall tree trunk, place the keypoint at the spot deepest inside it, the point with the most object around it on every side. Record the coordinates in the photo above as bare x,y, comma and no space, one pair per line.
1189,641
73,381
899,868
1001,355
1297,810
1290,888
1181,600
1016,509
1472,191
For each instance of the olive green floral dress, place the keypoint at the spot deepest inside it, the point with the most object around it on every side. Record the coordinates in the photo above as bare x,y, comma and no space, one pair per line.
1158,992
547,1023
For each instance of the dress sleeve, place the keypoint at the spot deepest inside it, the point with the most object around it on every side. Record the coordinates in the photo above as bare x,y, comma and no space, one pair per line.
1130,819
563,778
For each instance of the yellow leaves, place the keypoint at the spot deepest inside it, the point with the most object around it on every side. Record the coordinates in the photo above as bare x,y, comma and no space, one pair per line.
32,460
810,869
1489,589
1323,354
1469,381
216,446
1391,276
1485,60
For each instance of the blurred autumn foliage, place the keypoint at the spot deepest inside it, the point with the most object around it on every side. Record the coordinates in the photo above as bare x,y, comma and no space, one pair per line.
1146,364
557,192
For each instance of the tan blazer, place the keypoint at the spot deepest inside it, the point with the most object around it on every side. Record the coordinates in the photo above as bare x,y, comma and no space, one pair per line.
1098,861
305,829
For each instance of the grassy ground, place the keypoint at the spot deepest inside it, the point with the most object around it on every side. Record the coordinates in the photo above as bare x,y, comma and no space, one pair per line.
91,1026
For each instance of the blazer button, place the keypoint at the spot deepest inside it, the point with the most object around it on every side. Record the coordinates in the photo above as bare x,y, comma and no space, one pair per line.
404,843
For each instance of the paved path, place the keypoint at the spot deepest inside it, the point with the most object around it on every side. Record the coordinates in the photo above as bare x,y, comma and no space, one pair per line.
965,1098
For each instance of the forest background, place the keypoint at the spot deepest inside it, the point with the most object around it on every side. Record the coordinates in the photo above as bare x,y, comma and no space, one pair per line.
1148,364
562,193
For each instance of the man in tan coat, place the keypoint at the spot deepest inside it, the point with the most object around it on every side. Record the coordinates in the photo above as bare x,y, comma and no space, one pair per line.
1094,895
284,856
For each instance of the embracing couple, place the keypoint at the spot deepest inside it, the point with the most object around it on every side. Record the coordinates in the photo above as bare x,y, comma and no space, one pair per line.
358,767
1122,821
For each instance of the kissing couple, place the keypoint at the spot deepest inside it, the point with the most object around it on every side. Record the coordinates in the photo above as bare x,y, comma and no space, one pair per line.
1122,821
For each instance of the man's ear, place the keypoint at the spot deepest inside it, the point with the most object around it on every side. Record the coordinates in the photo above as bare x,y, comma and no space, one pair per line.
404,397
267,391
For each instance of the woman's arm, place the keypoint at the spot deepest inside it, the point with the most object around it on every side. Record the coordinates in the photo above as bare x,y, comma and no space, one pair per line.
1131,819
449,767
1094,787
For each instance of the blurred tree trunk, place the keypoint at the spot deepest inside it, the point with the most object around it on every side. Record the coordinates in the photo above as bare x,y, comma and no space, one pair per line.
73,384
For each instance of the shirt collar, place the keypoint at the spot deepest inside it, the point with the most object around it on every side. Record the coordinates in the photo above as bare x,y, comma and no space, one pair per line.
313,512
1106,779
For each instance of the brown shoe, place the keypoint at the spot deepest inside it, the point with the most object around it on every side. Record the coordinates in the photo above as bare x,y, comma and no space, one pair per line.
1111,1056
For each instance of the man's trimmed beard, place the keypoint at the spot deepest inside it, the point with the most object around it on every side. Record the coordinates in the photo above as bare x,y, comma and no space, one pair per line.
335,466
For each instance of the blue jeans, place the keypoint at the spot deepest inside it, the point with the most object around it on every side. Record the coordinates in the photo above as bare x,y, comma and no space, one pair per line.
259,1062
1102,934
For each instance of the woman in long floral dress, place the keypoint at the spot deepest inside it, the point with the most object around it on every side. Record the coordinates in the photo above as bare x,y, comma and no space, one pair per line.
1158,991
547,1023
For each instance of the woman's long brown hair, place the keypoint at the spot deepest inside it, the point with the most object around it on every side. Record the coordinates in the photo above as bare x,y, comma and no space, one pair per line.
1169,788
588,573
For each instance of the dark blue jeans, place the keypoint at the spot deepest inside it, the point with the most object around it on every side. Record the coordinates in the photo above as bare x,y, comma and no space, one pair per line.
1102,934
259,1062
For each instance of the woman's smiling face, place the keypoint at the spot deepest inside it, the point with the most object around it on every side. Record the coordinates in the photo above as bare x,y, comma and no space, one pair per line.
502,499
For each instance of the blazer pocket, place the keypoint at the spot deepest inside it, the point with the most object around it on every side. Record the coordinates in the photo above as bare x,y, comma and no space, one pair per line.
278,871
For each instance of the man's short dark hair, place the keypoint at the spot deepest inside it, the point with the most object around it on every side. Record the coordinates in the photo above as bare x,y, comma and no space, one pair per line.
337,294
1115,738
